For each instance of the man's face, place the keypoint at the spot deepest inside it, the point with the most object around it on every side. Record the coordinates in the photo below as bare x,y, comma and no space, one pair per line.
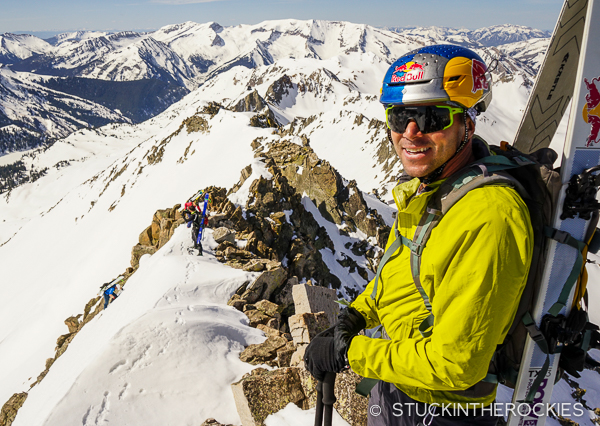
422,153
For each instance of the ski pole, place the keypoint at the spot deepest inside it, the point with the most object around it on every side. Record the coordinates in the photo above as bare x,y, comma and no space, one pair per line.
325,400
319,407
328,398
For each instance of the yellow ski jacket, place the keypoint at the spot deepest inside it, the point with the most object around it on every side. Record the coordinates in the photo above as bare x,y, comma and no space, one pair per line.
474,269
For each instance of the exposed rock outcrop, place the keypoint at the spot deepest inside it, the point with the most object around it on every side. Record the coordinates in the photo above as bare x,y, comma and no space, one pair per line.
340,203
252,102
213,422
263,392
157,234
10,409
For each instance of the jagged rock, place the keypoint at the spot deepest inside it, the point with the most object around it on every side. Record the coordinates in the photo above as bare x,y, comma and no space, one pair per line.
146,236
323,184
162,214
73,323
271,309
165,231
279,89
235,215
298,357
224,245
269,331
196,123
263,312
284,355
263,392
237,302
256,317
87,311
61,340
211,109
218,41
245,174
154,232
49,362
252,102
235,263
265,284
309,298
318,179
216,220
304,327
356,207
255,265
283,297
10,408
224,234
256,143
236,253
213,422
264,119
263,352
350,405
138,251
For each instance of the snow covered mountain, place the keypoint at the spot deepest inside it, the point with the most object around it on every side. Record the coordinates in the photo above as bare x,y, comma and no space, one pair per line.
495,35
30,112
189,54
16,47
168,349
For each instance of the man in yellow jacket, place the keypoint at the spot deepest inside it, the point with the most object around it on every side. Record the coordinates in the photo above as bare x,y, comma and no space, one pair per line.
472,271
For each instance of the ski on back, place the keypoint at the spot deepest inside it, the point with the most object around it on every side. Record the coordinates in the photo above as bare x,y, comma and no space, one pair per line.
202,220
106,286
580,154
555,82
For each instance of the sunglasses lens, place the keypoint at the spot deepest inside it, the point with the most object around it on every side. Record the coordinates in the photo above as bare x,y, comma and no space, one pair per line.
428,118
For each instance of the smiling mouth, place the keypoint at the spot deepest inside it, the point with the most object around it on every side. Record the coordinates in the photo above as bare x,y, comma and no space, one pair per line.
415,150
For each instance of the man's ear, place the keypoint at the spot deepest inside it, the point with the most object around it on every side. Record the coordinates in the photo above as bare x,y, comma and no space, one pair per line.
470,127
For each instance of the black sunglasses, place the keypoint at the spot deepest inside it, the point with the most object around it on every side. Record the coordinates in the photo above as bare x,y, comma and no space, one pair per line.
428,118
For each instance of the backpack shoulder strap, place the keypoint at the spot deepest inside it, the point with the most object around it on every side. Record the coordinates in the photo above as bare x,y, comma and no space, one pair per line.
451,191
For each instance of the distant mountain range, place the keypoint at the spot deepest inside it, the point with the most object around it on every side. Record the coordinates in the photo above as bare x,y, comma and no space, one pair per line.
50,88
496,35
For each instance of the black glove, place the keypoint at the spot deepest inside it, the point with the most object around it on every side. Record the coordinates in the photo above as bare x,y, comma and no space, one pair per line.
327,353
322,356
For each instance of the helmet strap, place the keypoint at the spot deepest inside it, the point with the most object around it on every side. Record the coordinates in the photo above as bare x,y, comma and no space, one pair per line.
389,135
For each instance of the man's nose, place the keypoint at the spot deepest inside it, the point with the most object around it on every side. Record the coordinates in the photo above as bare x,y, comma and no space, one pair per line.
412,129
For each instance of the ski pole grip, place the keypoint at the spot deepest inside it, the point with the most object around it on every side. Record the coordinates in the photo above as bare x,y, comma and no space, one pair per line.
329,389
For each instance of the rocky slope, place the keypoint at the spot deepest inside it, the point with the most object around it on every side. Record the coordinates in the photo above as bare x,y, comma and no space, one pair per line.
278,230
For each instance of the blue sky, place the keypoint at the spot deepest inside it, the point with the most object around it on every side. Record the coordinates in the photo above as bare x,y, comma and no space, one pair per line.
114,15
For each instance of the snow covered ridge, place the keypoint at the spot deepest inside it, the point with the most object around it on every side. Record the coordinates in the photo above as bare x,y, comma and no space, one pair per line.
277,222
74,77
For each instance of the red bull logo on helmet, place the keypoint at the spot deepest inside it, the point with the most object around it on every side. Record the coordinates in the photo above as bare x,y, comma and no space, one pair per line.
480,81
591,110
410,71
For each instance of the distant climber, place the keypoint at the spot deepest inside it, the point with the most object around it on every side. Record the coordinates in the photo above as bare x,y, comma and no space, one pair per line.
195,214
111,290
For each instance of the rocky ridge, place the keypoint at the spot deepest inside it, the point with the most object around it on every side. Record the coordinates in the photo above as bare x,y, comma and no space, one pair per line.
272,233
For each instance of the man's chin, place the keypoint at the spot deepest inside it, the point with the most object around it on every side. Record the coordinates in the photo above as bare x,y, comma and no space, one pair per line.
417,172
